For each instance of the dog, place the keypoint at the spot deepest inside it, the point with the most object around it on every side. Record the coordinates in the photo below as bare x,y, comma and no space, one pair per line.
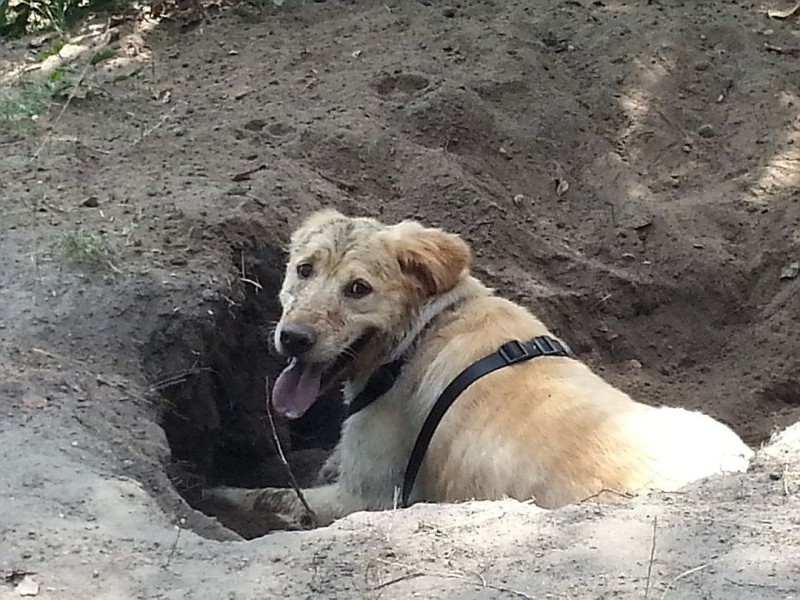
358,294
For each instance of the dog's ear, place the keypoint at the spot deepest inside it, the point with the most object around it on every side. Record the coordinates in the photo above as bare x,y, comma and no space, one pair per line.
435,258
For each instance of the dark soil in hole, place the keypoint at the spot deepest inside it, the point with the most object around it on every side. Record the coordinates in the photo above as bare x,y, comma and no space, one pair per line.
212,374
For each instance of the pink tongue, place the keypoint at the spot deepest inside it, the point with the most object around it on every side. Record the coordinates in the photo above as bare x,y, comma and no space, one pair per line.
296,388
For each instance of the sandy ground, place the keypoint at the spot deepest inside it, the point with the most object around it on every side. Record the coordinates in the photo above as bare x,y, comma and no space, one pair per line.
630,171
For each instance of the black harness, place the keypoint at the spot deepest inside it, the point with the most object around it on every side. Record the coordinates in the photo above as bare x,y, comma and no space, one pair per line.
385,376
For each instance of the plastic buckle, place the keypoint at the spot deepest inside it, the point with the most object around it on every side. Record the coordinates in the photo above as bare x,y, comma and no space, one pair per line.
545,346
513,352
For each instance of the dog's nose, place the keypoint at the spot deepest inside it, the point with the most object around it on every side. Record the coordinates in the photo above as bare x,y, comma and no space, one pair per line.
297,339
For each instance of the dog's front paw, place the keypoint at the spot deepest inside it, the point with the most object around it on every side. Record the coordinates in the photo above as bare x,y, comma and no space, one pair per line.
279,502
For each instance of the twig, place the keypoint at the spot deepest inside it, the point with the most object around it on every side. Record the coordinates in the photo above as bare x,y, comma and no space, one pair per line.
652,557
149,131
785,477
681,576
255,284
757,585
113,267
397,580
177,378
72,93
781,50
482,580
340,183
244,175
625,495
173,548
311,514
97,376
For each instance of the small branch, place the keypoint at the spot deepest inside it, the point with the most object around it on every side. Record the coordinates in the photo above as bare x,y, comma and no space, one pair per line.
405,577
311,514
417,573
652,557
681,576
148,132
625,495
174,547
785,478
340,183
245,175
72,93
252,282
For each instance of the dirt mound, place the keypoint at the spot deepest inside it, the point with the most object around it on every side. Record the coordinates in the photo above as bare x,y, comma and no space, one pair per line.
628,171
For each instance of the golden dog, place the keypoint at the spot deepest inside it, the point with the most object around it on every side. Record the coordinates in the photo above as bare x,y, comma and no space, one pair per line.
358,293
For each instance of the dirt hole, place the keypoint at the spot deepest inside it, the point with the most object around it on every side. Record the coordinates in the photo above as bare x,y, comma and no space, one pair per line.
211,374
210,368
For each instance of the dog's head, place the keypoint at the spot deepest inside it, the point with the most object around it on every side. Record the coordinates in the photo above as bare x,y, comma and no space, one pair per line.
351,286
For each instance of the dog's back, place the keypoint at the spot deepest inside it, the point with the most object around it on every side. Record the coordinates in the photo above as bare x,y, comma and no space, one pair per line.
551,429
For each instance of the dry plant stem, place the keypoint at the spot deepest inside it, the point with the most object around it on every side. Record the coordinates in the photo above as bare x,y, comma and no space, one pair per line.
102,379
72,93
172,549
785,478
149,131
652,558
419,573
682,575
311,514
625,495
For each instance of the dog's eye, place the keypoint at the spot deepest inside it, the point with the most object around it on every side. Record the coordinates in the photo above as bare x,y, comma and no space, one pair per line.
304,270
358,288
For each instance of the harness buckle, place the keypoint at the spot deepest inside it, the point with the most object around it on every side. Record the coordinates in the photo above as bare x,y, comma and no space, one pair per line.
513,352
545,346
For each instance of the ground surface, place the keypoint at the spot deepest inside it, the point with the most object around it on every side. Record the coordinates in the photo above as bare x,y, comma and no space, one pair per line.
630,171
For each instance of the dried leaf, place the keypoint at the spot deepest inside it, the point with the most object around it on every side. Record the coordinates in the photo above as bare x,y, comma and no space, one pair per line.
28,587
34,401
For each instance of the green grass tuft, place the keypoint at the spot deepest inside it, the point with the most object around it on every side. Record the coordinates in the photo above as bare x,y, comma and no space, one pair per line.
21,103
87,247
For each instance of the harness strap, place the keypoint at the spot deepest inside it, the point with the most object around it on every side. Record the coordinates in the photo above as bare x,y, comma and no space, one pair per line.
380,382
384,377
508,354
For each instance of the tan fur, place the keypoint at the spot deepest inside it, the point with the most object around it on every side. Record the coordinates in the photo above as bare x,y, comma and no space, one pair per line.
548,429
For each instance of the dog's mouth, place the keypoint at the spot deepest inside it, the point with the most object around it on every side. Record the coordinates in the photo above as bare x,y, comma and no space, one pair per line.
302,382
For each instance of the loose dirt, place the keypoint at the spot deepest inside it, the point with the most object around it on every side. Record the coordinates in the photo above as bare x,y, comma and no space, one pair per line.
629,170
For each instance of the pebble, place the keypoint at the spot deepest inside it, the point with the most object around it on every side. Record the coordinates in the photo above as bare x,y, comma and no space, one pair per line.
706,131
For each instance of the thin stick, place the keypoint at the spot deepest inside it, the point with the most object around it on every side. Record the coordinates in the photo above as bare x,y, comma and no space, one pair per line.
255,284
397,580
416,573
652,557
785,478
173,548
72,93
597,494
311,514
161,121
682,575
